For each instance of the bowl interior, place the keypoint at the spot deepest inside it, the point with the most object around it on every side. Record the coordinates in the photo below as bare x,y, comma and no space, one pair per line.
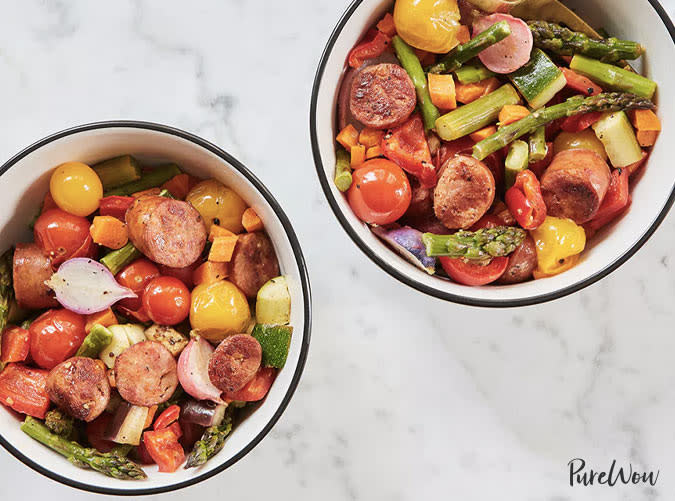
652,195
23,186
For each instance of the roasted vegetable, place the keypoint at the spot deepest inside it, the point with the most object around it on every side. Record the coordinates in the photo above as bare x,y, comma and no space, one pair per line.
127,424
618,137
172,340
273,302
516,161
613,78
203,412
275,340
98,338
475,245
343,170
117,171
59,422
407,241
151,179
118,259
210,444
539,80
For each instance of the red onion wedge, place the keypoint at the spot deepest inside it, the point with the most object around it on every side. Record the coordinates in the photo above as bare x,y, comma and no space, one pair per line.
407,242
86,286
193,371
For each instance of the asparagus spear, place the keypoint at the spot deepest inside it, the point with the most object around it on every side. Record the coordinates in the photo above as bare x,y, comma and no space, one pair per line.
343,171
538,146
516,161
59,423
475,245
471,73
607,101
412,65
151,179
463,53
98,338
210,444
565,42
614,78
83,457
118,259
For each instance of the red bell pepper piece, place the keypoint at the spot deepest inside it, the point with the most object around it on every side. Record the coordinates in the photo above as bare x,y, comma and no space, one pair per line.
115,206
577,123
525,201
24,389
255,389
373,45
170,415
163,447
15,344
615,201
407,147
580,83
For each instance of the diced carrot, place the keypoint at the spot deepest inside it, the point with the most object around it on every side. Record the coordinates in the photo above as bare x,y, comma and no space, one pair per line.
485,132
374,152
426,58
150,191
348,137
512,113
210,272
386,25
645,120
647,138
178,186
150,417
370,137
105,318
109,232
222,249
219,231
251,221
358,155
467,93
442,91
463,35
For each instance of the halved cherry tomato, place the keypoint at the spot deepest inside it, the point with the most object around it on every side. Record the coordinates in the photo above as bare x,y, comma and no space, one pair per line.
577,123
164,449
115,206
63,236
15,344
167,417
408,148
470,273
185,275
96,430
55,336
166,300
373,45
380,192
580,83
487,221
257,388
24,389
136,276
525,201
616,200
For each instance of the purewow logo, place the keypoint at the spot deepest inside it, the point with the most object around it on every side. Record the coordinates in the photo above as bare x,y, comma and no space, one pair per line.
579,475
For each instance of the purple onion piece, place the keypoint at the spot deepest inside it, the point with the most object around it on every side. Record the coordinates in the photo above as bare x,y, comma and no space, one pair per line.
407,241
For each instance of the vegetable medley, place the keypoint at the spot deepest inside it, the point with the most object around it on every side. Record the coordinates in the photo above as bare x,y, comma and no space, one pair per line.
145,315
487,148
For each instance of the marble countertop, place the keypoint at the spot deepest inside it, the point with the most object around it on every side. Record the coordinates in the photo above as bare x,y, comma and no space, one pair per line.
403,396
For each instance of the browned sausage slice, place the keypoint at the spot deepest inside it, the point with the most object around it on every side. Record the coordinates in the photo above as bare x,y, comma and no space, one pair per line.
522,263
382,96
575,184
464,193
145,374
169,232
80,387
31,268
235,362
253,263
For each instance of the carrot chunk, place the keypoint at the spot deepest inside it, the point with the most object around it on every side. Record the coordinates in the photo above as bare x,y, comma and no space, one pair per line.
481,134
371,137
358,155
178,186
348,137
105,318
109,232
512,113
374,152
210,272
386,25
219,231
442,91
251,221
222,249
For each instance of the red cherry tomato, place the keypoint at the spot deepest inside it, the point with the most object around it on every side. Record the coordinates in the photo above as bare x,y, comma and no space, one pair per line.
380,192
63,236
257,388
185,275
136,276
166,300
487,221
55,336
467,273
96,430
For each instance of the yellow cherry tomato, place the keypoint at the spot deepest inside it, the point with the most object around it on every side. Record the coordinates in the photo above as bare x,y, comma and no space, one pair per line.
584,140
430,25
218,310
557,240
76,188
218,204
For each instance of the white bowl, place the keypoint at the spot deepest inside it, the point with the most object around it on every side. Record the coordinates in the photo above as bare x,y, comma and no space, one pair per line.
641,20
23,181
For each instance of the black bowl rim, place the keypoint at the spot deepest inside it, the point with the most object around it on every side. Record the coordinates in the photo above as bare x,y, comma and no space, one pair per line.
304,278
384,265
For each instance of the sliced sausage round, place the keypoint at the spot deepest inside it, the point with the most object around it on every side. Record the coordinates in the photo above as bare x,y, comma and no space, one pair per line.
464,193
145,374
30,270
382,96
79,386
169,232
522,263
575,184
253,263
512,52
234,362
